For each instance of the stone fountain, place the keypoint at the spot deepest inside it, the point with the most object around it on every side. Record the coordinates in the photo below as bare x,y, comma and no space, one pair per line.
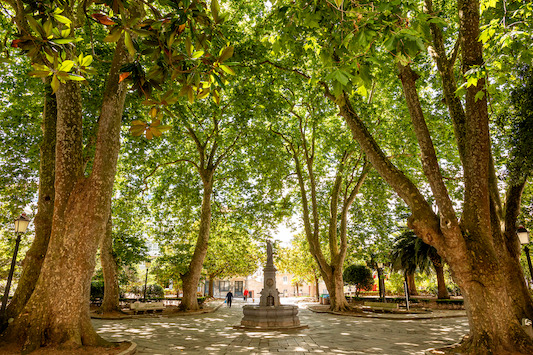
270,314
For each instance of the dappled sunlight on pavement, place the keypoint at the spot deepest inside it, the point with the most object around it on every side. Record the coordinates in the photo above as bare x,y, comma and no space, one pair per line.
212,333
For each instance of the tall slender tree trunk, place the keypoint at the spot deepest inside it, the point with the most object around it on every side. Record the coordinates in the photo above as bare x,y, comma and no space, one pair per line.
191,278
211,286
57,313
317,285
110,271
411,284
43,220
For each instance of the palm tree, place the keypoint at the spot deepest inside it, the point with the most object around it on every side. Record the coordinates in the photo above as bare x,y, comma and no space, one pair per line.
409,253
403,257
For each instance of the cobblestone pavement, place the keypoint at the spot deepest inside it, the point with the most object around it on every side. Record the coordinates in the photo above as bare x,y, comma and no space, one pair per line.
212,333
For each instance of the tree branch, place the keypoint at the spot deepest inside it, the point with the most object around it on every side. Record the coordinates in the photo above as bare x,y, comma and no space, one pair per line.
165,164
430,163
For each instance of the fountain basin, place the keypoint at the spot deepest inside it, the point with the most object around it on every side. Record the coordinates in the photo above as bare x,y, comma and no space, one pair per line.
270,317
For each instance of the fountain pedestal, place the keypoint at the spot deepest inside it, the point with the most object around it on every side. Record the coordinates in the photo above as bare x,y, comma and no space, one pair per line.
270,314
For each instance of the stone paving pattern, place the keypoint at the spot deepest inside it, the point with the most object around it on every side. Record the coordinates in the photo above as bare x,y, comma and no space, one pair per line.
212,333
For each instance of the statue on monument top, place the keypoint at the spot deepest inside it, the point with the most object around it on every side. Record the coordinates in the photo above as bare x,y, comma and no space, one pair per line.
270,259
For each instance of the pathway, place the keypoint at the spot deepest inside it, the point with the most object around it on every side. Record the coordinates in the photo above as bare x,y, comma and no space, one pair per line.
212,333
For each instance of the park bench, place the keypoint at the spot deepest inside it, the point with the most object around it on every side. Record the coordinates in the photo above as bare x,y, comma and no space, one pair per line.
141,307
381,306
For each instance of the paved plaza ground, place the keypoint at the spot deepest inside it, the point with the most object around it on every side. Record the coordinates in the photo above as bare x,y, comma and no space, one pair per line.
213,333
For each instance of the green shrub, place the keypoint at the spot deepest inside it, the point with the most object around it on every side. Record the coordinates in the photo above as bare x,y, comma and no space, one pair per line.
155,291
359,276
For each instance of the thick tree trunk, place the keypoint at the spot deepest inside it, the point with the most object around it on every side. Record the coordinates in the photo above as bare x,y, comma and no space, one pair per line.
62,316
411,284
335,286
191,278
58,310
494,327
442,291
43,220
110,271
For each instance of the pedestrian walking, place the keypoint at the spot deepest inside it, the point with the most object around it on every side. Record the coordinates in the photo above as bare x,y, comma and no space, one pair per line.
229,297
245,294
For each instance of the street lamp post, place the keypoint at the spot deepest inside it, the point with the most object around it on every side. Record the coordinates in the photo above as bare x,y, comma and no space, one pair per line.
21,224
523,235
147,265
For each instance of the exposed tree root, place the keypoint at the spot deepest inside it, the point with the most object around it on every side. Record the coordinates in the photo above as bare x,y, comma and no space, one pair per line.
468,345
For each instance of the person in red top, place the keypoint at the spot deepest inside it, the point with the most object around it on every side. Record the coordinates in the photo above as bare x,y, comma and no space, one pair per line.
245,294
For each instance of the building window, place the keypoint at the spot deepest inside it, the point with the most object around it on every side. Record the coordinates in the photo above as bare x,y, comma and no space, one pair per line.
285,280
224,286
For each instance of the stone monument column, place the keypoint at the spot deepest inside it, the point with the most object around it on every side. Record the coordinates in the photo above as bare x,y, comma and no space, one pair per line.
269,294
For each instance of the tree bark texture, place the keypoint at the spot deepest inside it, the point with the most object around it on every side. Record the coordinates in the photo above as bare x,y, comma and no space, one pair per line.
411,284
211,291
317,285
110,270
442,291
57,313
43,220
191,278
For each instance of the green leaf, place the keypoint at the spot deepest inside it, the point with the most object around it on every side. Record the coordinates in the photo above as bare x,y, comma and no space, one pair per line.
479,95
129,43
87,60
438,21
471,81
35,26
188,46
76,77
197,54
215,10
341,77
141,33
54,84
65,32
190,95
137,130
63,40
225,53
48,28
216,97
114,35
66,66
203,94
339,3
227,69
62,19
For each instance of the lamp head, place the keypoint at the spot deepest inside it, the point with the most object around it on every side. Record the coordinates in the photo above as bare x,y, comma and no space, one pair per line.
523,235
21,223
